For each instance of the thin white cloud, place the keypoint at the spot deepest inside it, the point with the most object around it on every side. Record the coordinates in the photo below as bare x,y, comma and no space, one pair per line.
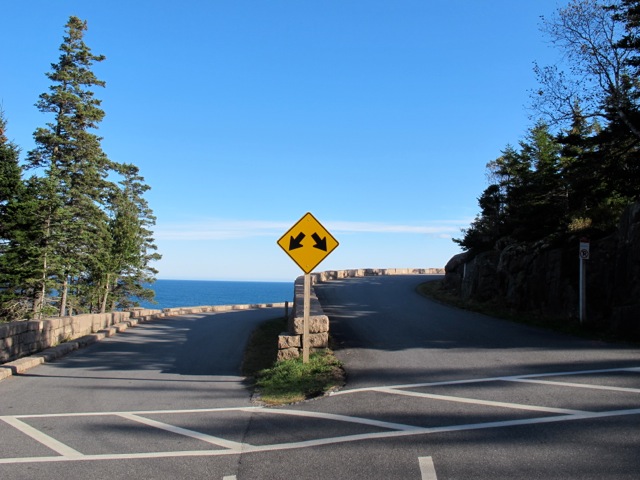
381,227
217,229
213,229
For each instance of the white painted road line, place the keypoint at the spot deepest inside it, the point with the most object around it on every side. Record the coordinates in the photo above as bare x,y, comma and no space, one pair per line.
229,477
343,418
474,401
221,442
140,412
419,385
576,385
511,378
323,441
59,447
392,430
427,469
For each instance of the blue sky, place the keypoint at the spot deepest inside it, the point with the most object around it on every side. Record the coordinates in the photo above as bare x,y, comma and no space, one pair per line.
376,116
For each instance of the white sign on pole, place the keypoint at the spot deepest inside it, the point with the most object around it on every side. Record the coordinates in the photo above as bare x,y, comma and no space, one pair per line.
582,294
584,250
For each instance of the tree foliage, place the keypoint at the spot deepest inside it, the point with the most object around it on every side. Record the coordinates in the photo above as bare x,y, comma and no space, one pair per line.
10,180
579,166
72,233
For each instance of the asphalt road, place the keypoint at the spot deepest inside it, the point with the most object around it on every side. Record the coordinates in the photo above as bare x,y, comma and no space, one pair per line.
390,334
502,400
432,393
190,361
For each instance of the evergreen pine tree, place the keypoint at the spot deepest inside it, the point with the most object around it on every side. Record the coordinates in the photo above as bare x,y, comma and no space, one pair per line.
10,180
85,222
132,248
11,190
75,166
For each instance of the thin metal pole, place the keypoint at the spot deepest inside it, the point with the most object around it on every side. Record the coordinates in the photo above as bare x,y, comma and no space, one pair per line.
305,327
583,293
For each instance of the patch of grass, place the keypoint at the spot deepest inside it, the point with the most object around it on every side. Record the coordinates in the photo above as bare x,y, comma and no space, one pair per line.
291,381
434,291
287,381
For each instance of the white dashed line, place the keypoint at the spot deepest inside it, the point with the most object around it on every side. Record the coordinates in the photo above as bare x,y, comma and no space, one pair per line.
427,469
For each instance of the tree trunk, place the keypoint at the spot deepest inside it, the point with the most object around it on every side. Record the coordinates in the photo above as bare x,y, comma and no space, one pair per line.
103,307
63,296
39,294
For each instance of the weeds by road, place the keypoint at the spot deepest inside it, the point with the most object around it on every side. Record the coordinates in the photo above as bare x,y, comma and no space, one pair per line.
287,381
434,291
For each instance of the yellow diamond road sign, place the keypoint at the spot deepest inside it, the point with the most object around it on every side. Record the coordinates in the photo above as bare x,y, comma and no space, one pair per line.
308,243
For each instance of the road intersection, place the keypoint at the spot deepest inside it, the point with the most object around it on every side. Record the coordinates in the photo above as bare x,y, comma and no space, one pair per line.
459,396
222,431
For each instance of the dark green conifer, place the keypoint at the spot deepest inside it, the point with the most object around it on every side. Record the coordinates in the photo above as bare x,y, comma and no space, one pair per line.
77,234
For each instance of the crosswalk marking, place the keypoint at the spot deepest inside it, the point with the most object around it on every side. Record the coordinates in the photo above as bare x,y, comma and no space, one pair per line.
576,385
59,447
475,401
386,429
183,431
509,378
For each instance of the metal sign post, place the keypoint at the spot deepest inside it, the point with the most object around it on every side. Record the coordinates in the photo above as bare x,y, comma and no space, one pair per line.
307,243
584,256
305,326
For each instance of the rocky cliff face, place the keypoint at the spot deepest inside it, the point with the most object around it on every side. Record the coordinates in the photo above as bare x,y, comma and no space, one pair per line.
545,280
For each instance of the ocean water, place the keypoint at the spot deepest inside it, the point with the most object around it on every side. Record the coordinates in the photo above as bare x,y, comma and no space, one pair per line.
192,293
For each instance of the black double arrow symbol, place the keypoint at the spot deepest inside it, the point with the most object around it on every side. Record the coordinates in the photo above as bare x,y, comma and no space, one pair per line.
321,243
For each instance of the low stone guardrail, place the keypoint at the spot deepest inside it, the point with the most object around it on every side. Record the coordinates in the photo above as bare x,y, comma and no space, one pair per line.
290,342
26,344
372,272
219,308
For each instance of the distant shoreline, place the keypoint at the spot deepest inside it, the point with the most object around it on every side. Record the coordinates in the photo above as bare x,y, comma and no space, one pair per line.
180,293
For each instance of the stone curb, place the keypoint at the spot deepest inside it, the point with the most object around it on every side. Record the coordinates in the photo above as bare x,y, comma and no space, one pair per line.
21,365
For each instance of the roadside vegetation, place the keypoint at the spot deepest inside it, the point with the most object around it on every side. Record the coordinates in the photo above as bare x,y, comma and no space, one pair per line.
75,229
435,291
287,381
576,170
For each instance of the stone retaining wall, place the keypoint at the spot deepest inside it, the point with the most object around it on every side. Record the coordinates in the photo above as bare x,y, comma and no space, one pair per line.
19,339
23,364
544,279
290,342
219,308
372,272
29,343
